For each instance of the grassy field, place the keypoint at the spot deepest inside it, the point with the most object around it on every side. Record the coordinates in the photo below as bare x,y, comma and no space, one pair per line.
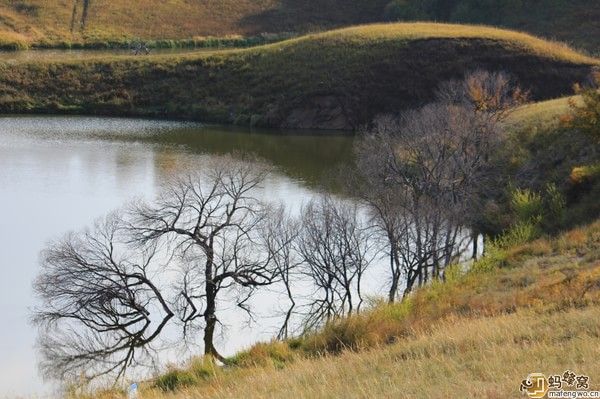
335,80
48,23
529,307
545,113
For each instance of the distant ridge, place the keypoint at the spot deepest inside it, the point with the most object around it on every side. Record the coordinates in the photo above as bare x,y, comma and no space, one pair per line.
48,23
339,79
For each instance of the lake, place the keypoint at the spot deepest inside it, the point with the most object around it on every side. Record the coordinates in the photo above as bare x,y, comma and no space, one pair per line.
59,174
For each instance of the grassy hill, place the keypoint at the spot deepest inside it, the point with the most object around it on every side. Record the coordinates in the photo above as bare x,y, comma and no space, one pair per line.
526,307
48,23
333,80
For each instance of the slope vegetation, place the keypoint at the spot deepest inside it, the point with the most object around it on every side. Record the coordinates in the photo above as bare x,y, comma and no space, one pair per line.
530,307
335,80
42,22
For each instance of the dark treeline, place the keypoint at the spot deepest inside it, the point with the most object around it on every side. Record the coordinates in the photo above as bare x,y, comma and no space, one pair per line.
109,292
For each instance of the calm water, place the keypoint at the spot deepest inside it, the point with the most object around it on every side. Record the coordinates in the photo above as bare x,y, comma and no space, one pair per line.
59,174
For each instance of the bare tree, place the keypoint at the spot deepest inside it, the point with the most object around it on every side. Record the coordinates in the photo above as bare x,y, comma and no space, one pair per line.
426,172
280,234
334,245
109,292
101,312
490,97
493,94
213,223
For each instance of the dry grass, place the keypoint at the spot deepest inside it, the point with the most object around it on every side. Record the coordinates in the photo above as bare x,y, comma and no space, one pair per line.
44,22
337,80
478,335
543,114
424,30
120,20
458,358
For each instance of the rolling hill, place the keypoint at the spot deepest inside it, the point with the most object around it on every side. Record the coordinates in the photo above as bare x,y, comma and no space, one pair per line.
338,79
48,23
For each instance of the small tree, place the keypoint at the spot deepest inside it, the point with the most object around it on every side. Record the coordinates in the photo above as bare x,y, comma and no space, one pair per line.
334,246
105,297
213,222
101,309
427,172
280,234
586,117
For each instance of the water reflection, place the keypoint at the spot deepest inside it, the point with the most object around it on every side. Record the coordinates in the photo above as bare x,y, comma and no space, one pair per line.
59,174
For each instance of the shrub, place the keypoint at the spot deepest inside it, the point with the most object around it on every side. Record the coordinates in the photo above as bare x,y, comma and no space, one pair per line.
555,201
381,325
198,370
494,257
520,233
586,117
527,205
584,175
275,354
175,379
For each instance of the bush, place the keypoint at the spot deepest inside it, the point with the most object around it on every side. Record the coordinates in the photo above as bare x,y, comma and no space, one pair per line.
383,324
175,379
527,205
198,370
275,354
586,118
584,175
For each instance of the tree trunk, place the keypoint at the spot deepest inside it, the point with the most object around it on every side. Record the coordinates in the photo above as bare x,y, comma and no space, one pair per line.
410,281
395,268
210,317
475,239
393,290
74,15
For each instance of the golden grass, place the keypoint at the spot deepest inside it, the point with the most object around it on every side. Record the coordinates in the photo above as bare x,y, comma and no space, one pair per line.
457,358
357,72
477,335
48,22
543,114
400,34
427,30
142,18
13,41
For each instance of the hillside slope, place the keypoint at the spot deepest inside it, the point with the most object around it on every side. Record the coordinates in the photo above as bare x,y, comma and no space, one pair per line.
459,358
335,80
49,22
41,21
530,307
